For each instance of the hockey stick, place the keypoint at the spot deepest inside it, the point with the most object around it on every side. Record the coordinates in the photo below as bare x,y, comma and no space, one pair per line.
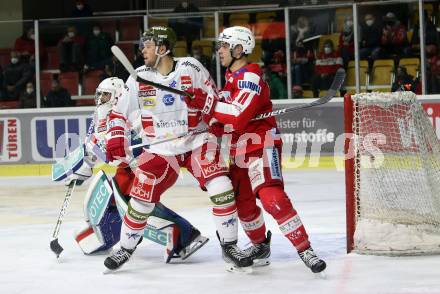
335,86
129,67
54,244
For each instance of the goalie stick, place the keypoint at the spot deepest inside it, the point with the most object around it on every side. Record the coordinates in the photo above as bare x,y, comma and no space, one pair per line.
335,86
54,244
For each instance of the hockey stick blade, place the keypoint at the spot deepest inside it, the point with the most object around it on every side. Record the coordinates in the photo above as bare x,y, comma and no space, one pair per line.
117,52
56,247
54,244
336,85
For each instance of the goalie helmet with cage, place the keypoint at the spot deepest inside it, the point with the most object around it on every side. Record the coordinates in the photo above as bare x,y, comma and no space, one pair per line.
108,91
160,36
237,36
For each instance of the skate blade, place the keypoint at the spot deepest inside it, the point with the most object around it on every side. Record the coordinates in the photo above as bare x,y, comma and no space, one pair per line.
197,244
261,262
241,270
321,275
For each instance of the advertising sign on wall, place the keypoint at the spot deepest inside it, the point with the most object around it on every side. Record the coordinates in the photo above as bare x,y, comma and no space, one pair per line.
10,139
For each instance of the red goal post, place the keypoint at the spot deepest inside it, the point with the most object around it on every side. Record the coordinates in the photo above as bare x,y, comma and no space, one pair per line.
392,170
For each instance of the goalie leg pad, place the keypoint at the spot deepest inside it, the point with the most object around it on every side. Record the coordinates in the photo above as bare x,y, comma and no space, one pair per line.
103,221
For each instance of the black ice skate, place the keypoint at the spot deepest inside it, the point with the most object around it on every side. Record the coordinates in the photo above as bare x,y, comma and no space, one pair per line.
312,261
117,259
260,252
234,257
195,242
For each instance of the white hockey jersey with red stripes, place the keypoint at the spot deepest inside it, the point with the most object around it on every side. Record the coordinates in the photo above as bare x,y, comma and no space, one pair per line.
163,114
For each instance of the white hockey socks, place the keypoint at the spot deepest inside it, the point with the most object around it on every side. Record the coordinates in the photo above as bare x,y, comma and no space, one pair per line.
224,209
134,223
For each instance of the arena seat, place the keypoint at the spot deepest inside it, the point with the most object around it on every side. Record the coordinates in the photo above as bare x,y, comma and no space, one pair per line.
53,59
128,49
9,104
257,53
180,49
70,81
130,29
412,66
207,46
5,56
91,81
350,80
382,75
45,82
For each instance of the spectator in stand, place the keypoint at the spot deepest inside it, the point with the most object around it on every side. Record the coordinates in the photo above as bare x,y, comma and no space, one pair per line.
28,98
432,39
301,30
394,40
16,75
371,35
276,85
25,45
327,63
404,81
97,49
346,41
433,73
58,96
197,53
273,39
302,64
82,9
70,49
187,28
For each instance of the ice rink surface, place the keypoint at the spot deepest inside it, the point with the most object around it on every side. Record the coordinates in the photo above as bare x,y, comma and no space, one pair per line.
29,208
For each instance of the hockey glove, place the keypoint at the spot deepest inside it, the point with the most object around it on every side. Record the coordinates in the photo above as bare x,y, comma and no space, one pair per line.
80,175
203,102
116,143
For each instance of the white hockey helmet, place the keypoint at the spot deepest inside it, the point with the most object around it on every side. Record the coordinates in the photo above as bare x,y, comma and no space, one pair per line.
238,36
109,90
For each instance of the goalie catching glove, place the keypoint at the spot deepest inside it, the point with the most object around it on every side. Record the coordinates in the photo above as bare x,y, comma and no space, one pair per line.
201,101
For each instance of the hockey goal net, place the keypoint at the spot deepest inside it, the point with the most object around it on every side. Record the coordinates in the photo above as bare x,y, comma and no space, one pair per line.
392,176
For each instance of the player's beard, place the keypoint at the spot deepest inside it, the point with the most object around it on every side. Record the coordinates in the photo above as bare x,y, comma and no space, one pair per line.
151,62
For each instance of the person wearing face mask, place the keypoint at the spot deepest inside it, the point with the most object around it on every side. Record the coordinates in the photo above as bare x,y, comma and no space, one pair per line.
346,41
394,39
82,9
97,49
25,45
327,63
16,75
70,49
28,96
58,96
302,29
371,34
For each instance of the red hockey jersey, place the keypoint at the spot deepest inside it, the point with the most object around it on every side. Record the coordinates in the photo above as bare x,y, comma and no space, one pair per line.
244,96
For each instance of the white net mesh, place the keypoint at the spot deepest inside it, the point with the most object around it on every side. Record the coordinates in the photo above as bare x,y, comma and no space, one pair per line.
397,176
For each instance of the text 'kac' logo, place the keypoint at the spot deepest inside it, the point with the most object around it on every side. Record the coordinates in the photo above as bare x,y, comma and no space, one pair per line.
54,137
10,140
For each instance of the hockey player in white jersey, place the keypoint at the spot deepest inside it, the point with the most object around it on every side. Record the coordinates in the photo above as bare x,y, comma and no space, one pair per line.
165,115
105,202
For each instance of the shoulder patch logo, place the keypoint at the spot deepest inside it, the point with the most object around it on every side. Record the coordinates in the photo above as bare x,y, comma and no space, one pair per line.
242,84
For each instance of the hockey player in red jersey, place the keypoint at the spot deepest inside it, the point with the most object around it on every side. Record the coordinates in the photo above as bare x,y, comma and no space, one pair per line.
255,148
163,115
